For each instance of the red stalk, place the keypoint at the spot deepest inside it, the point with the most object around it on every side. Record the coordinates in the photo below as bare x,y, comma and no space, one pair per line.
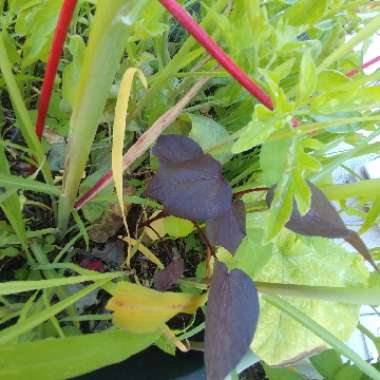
363,66
210,45
63,24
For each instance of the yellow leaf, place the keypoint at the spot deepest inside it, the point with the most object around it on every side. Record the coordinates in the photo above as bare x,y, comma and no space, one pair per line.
142,310
119,127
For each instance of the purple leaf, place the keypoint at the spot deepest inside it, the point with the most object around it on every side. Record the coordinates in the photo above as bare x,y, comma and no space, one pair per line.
231,319
193,188
228,229
167,277
323,220
173,149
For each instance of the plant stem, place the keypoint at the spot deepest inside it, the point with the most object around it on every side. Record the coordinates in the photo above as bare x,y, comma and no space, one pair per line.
324,334
356,296
63,24
363,66
257,189
361,36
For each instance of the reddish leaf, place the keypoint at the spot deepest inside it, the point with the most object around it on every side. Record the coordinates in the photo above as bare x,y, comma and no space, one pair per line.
323,220
173,149
228,229
231,319
192,188
167,277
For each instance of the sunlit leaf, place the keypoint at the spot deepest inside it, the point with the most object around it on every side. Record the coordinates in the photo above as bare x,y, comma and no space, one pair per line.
143,310
232,313
279,339
322,220
119,128
69,357
308,78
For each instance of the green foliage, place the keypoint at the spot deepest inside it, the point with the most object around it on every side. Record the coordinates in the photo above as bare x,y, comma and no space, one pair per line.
299,52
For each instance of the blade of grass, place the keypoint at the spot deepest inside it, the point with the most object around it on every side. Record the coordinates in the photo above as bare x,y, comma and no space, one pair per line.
63,24
15,182
119,127
25,123
144,142
13,332
366,189
14,287
101,59
324,334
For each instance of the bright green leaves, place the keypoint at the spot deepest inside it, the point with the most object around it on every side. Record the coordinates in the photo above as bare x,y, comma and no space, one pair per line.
346,101
307,81
305,12
69,357
312,261
207,133
287,163
37,23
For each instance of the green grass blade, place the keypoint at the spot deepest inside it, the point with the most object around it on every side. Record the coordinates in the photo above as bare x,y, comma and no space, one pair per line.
67,358
325,335
14,287
26,125
12,332
21,183
366,189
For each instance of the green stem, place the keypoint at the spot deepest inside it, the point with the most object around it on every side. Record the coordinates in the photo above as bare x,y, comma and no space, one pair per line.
357,296
361,36
367,189
324,334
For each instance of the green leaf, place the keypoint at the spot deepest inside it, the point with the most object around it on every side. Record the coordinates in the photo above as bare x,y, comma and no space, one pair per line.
14,287
361,99
307,81
282,374
329,80
307,261
207,133
14,331
327,336
273,160
327,363
69,357
28,184
177,227
305,12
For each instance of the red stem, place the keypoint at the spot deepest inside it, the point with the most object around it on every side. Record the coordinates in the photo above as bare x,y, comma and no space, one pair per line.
257,189
364,66
63,24
210,45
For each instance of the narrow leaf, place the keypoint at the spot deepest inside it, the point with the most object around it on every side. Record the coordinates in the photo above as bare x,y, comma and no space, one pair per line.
232,314
143,310
119,127
67,358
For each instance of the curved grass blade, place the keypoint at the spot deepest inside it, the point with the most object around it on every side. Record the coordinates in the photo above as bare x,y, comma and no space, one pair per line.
119,128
